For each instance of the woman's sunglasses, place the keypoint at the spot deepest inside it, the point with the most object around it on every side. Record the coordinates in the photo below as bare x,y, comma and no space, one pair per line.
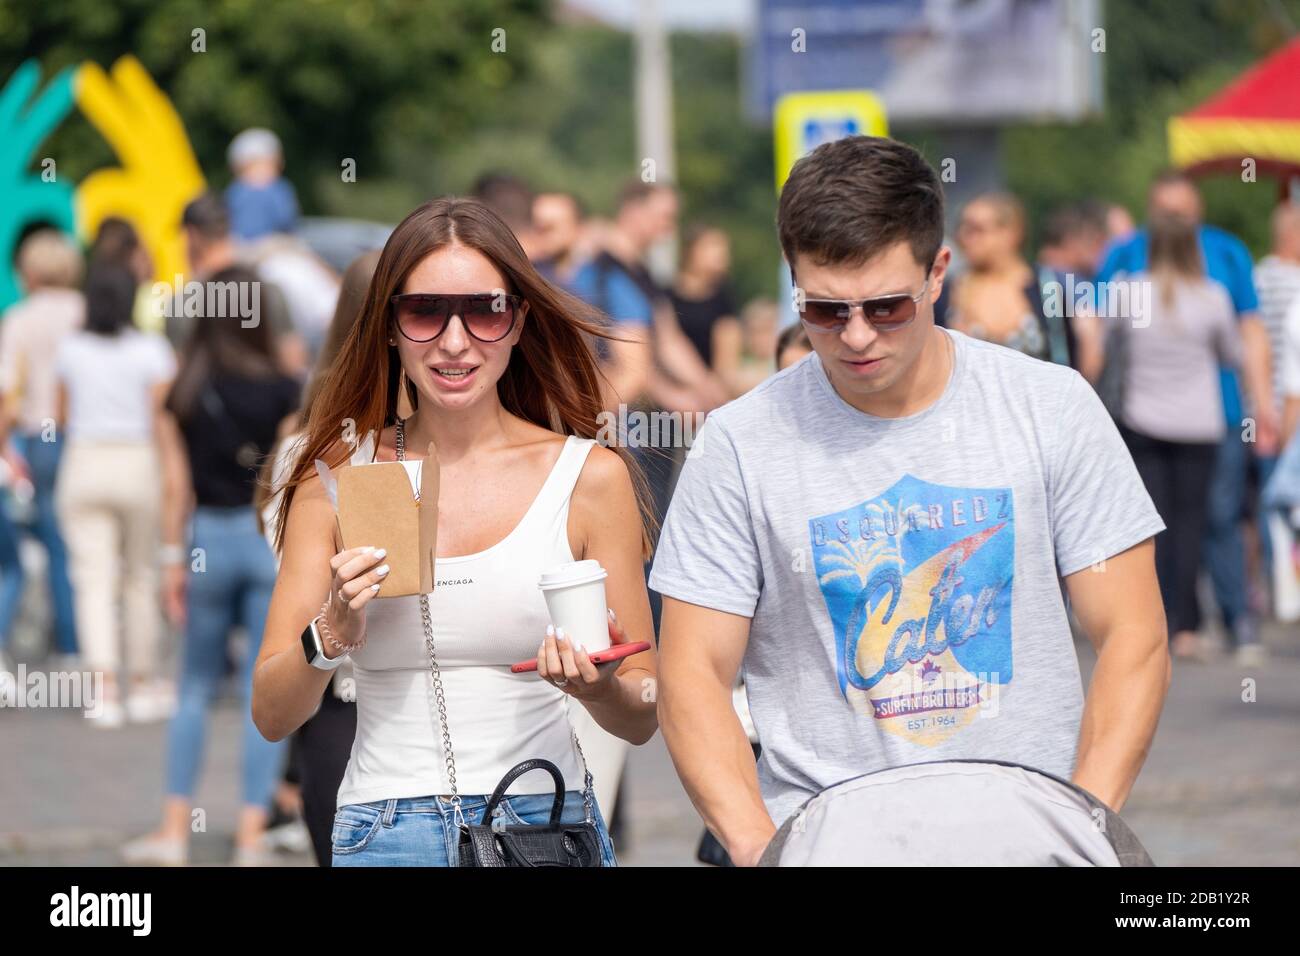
487,316
886,313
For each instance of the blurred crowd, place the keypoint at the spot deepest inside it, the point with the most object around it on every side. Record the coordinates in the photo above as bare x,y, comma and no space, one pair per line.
133,427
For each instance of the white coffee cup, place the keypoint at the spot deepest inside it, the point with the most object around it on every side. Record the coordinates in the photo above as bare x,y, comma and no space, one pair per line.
575,599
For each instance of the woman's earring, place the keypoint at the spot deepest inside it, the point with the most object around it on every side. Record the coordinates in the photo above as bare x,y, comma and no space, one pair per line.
404,408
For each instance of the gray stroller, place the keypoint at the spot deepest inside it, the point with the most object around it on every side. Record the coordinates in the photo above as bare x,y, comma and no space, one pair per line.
955,813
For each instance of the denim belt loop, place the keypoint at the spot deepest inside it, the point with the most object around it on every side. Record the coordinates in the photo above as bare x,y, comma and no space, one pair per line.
390,811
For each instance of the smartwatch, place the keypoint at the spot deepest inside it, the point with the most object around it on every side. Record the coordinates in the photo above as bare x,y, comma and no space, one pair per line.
315,650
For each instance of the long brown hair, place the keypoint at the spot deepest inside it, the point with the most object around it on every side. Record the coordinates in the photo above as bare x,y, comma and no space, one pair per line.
1174,253
352,292
552,379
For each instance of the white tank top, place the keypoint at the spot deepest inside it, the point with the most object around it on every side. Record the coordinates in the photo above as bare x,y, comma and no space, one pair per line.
487,614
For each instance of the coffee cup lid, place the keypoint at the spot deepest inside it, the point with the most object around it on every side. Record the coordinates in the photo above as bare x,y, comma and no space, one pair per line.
575,572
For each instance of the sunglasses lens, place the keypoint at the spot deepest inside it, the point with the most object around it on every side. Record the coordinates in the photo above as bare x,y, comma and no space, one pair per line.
423,319
826,315
490,317
891,313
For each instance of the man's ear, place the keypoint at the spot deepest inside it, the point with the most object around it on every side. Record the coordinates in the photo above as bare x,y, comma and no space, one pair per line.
939,271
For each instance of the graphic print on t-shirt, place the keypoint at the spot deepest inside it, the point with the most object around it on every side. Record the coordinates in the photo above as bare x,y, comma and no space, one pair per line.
917,582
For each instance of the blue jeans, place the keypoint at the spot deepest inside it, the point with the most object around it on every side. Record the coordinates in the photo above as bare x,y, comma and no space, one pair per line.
421,831
43,460
1224,551
234,588
11,575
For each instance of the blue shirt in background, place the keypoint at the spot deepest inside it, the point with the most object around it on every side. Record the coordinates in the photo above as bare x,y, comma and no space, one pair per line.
1227,261
257,211
609,288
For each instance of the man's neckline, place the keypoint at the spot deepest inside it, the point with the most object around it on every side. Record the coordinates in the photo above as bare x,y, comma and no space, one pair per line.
958,366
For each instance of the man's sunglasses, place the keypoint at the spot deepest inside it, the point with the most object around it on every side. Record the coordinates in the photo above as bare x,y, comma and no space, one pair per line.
487,316
886,313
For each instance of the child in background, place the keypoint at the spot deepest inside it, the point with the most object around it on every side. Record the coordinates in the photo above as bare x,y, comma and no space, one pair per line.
261,201
791,346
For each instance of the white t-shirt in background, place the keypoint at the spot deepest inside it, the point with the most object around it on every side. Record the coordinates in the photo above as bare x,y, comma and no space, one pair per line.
108,379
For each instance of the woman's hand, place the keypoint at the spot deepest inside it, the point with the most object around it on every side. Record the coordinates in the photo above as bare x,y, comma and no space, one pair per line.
174,581
357,576
569,667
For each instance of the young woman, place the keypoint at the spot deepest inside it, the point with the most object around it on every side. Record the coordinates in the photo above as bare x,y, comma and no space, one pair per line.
997,298
1172,417
498,369
225,411
112,380
702,299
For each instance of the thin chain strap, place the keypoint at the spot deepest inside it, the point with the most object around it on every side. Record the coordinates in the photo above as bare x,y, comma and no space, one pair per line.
441,698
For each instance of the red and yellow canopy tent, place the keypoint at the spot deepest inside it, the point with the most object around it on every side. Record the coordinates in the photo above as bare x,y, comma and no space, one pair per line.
1255,117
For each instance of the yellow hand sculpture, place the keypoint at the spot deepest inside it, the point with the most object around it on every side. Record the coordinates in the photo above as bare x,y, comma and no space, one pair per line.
159,174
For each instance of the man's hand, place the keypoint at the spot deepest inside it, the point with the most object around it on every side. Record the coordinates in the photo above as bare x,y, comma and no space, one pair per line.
700,650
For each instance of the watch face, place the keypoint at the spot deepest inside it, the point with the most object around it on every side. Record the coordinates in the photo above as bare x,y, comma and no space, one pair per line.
308,643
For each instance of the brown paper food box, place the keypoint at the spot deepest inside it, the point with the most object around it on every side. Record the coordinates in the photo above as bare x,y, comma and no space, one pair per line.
376,507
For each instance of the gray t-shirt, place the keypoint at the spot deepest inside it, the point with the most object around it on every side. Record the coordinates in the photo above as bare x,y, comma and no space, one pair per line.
902,574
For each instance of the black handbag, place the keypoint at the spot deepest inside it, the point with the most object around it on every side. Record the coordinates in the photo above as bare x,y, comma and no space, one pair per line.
496,843
548,844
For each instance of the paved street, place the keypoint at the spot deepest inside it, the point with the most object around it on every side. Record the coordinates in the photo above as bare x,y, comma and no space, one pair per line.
1222,785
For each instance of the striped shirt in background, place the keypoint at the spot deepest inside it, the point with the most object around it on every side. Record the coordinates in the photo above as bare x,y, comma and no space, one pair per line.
1277,281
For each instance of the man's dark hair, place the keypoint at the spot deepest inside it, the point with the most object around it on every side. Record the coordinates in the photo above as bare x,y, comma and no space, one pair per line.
638,190
208,216
850,200
1073,219
506,195
1171,177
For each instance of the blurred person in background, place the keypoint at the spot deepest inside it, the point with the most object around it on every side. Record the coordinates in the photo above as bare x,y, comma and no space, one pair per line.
261,201
1172,413
1074,241
1277,282
997,297
1120,225
703,304
651,364
1227,261
214,261
112,381
511,198
322,744
745,360
263,213
224,413
561,245
50,269
118,243
792,345
617,282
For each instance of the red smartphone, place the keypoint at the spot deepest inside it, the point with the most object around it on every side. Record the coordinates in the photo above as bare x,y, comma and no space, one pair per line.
615,653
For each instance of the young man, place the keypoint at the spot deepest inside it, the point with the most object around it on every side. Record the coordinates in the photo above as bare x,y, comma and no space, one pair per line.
877,534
